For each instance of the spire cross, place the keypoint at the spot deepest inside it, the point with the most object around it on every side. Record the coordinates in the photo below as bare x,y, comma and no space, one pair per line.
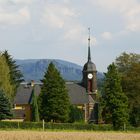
89,37
89,56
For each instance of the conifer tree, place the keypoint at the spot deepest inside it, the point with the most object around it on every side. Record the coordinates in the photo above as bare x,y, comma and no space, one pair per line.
5,107
53,100
5,83
16,76
34,107
115,100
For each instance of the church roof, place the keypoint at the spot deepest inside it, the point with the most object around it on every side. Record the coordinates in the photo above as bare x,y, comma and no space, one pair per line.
76,92
89,66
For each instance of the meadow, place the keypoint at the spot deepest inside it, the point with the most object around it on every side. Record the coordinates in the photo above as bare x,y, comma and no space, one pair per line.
47,135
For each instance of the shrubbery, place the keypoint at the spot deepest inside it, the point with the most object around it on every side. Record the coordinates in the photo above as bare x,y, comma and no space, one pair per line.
75,114
61,126
53,126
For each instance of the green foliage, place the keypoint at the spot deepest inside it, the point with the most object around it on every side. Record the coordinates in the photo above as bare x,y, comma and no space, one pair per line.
16,76
53,100
60,126
76,114
5,83
129,67
115,101
55,126
5,107
34,107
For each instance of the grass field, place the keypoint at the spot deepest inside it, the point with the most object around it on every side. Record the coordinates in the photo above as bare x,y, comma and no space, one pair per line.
36,135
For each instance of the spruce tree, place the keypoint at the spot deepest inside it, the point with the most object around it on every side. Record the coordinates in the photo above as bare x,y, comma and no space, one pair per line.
34,107
53,100
5,107
5,83
16,76
115,100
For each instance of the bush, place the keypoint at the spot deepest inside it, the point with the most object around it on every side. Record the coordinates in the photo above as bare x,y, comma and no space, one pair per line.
60,126
53,126
75,114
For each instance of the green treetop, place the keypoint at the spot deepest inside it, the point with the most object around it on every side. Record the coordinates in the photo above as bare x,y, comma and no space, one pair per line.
5,83
16,76
115,100
53,100
5,107
129,67
34,107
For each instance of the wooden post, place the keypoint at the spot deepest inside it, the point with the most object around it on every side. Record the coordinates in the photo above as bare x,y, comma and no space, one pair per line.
18,125
43,125
85,112
124,127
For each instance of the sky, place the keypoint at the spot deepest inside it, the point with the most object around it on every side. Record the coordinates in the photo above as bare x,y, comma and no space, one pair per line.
58,29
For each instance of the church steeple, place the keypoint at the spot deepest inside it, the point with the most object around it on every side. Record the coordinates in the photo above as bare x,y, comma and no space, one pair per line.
89,72
89,54
89,82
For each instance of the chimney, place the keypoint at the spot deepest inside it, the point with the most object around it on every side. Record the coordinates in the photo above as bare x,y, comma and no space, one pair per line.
32,83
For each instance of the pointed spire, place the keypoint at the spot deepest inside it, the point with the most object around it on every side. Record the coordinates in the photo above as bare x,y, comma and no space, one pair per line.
89,55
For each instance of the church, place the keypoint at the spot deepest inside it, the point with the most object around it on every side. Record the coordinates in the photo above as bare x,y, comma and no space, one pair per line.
82,94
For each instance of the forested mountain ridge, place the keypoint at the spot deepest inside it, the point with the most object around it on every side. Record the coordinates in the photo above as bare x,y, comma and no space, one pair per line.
33,69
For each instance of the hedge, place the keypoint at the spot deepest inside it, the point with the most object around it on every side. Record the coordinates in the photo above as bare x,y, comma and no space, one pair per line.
60,126
53,126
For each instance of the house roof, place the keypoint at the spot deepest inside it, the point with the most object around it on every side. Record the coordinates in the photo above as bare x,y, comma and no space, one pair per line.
24,92
76,92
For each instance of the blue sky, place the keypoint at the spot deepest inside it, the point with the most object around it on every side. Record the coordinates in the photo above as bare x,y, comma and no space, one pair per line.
58,29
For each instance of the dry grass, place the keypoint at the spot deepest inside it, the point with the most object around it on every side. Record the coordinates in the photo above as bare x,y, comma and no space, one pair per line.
36,135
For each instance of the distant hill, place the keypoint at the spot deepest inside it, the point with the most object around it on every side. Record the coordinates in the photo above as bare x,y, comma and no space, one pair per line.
33,69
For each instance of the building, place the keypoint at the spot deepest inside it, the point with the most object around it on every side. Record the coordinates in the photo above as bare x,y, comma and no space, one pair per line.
83,94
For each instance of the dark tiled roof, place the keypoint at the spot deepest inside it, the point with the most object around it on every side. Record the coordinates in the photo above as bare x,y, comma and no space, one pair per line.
24,93
76,92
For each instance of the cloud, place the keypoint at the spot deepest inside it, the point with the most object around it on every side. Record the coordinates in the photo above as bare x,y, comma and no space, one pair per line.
115,5
78,33
74,33
63,16
10,2
132,18
129,10
106,35
13,12
19,17
56,16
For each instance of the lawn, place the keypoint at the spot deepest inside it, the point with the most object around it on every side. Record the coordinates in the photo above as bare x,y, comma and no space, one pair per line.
38,135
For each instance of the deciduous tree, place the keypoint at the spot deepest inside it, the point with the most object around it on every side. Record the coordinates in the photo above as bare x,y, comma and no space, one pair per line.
129,68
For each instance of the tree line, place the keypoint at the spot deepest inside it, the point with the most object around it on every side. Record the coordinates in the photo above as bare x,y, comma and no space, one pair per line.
119,98
120,95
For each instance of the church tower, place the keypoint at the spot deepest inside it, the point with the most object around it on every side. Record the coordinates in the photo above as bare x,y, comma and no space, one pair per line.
89,82
89,73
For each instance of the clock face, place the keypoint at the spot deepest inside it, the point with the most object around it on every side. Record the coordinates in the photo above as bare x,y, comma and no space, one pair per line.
90,76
